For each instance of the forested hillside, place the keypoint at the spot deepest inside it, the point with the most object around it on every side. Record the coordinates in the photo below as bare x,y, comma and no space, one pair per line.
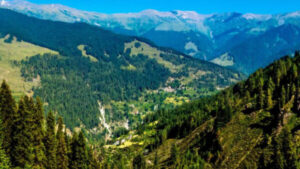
253,124
92,75
29,140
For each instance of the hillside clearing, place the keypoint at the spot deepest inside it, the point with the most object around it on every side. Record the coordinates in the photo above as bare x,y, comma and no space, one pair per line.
17,51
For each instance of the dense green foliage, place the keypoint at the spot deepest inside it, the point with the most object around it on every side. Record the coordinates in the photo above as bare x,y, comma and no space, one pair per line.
8,109
65,38
4,160
36,144
50,141
62,159
253,124
72,80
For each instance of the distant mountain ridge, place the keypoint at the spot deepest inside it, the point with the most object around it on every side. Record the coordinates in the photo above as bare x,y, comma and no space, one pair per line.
203,36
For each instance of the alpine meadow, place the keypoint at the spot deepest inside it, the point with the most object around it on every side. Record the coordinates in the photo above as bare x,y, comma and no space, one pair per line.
164,88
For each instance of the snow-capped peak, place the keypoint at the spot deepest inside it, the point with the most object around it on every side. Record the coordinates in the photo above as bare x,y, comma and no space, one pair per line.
251,16
192,15
293,14
155,13
151,12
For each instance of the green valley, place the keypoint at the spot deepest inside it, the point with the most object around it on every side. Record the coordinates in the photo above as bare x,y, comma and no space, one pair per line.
253,124
81,67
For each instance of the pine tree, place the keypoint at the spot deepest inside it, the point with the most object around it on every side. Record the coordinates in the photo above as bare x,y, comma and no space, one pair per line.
283,96
228,113
4,160
79,158
283,68
68,145
278,77
22,145
38,135
294,72
247,96
269,95
29,104
269,99
278,158
296,104
61,152
288,149
93,163
260,96
292,91
8,115
284,151
50,142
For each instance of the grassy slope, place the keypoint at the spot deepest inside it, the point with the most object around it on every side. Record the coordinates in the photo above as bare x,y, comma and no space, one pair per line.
244,140
239,141
84,54
17,51
164,151
152,53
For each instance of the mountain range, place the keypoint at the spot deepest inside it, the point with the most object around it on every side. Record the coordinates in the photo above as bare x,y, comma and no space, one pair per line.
96,79
244,42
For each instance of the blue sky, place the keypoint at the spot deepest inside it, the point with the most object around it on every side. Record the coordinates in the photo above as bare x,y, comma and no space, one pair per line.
201,6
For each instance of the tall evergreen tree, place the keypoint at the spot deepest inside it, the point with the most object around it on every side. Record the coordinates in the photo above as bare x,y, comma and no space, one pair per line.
79,156
261,96
283,96
288,149
22,145
269,99
296,104
61,152
269,94
50,142
93,163
38,135
278,159
294,72
68,145
278,77
4,160
8,115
